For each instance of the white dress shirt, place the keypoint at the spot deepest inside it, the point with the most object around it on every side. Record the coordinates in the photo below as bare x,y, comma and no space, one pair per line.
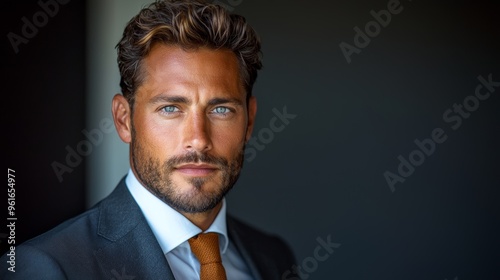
172,230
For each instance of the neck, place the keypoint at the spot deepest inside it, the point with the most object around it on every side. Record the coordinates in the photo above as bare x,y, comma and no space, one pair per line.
205,219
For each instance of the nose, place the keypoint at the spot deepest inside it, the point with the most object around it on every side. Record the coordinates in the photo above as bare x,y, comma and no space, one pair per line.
197,133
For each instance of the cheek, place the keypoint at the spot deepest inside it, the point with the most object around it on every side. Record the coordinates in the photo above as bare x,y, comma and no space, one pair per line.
229,139
158,139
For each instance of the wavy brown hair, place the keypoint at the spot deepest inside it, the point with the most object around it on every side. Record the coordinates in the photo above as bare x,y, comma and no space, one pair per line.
190,25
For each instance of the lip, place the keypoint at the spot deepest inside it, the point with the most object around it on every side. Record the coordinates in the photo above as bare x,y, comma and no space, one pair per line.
196,169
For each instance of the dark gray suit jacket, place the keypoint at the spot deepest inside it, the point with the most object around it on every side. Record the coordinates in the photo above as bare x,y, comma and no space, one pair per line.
113,241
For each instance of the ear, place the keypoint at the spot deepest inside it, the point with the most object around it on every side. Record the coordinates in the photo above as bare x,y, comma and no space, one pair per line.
122,117
252,111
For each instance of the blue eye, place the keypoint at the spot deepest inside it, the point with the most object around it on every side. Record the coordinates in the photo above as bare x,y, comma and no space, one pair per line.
170,109
222,110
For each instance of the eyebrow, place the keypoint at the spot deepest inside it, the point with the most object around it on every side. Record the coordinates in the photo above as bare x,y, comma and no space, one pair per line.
184,100
217,101
169,99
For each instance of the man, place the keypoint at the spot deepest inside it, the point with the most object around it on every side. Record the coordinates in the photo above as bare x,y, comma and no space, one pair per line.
187,70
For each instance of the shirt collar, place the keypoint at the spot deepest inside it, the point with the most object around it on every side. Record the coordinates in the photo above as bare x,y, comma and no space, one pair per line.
170,227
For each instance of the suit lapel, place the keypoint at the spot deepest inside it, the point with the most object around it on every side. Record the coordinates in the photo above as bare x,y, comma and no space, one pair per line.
244,245
134,252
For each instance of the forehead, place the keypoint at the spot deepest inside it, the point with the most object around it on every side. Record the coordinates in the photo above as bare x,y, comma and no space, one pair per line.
171,68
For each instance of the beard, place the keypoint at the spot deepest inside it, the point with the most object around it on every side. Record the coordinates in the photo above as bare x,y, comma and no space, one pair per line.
156,176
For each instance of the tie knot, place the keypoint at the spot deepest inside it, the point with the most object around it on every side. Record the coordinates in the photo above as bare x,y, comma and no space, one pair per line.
205,247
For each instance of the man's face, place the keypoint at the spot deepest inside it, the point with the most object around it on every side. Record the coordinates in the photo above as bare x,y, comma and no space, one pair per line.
189,126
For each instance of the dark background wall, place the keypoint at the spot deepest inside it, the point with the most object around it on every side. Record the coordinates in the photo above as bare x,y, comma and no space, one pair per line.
43,90
321,177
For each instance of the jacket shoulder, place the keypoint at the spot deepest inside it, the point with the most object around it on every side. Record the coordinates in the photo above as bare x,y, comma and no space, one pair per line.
48,255
65,251
270,253
30,263
250,233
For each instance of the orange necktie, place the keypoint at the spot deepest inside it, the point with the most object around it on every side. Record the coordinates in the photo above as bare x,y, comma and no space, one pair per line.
205,247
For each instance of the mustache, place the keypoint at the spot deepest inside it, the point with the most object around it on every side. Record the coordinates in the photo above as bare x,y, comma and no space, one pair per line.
194,157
